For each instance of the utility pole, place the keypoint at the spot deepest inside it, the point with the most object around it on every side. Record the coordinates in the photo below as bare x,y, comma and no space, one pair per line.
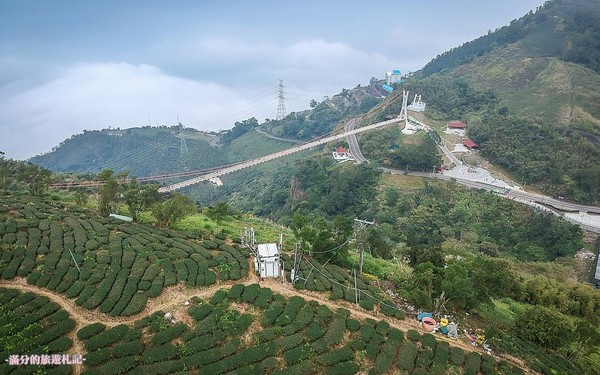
362,224
281,104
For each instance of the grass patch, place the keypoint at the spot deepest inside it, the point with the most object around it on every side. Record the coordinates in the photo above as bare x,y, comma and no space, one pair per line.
264,230
402,182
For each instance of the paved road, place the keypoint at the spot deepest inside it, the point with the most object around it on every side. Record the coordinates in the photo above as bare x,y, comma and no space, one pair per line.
353,141
559,207
260,131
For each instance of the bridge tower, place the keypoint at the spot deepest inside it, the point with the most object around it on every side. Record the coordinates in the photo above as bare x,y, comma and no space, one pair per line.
281,105
404,111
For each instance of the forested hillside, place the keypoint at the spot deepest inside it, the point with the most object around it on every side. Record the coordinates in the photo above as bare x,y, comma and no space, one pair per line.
525,89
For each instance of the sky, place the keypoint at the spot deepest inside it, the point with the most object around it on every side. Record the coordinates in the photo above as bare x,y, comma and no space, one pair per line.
69,66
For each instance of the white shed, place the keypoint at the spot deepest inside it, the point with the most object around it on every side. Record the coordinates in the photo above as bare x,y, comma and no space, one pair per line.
268,263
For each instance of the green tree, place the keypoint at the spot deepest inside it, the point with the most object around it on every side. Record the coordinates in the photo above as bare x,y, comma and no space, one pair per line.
218,212
139,197
173,209
544,326
108,192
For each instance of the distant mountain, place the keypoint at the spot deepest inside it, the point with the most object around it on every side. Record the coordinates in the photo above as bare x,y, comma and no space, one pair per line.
529,93
142,151
150,151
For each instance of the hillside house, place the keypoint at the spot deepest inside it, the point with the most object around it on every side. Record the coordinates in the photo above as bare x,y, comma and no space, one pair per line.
341,154
470,144
457,125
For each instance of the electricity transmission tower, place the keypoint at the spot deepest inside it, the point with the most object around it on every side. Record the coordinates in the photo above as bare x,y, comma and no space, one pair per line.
362,224
183,148
281,105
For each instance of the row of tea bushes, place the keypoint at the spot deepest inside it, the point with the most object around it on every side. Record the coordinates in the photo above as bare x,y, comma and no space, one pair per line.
251,330
32,325
340,283
106,264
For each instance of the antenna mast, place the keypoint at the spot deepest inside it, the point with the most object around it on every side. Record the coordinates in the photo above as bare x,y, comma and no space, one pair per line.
281,105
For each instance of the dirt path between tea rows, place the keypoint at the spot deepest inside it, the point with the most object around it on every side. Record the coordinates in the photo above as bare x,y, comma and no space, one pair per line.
174,299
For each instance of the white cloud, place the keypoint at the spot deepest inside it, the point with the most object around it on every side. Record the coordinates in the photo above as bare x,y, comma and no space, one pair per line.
97,95
94,96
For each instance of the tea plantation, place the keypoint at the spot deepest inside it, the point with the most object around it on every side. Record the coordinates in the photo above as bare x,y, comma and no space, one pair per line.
121,265
31,324
251,330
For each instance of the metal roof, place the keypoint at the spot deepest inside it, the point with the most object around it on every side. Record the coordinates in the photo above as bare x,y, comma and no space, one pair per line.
267,250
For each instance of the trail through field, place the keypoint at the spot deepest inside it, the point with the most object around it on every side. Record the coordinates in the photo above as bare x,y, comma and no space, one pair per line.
173,299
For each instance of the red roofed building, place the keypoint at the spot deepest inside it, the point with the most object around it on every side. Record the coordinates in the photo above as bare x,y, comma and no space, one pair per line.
341,154
457,125
470,144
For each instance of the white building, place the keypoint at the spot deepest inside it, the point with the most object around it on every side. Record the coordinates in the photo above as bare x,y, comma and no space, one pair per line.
341,154
267,263
393,77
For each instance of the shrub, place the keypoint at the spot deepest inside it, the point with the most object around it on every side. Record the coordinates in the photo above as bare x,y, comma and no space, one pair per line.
335,332
336,293
367,304
168,334
200,312
304,367
413,335
425,358
156,287
243,322
97,357
293,306
428,340
90,330
457,356
102,291
353,325
264,297
75,289
160,353
269,363
420,371
335,356
127,349
60,345
487,364
343,368
117,366
287,342
235,292
115,292
201,343
293,355
106,338
366,331
218,297
271,314
60,328
472,363
324,314
314,331
383,328
372,350
357,345
442,352
137,303
250,293
406,357
165,367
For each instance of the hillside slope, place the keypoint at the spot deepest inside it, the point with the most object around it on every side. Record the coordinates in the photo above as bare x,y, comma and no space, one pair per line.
528,92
